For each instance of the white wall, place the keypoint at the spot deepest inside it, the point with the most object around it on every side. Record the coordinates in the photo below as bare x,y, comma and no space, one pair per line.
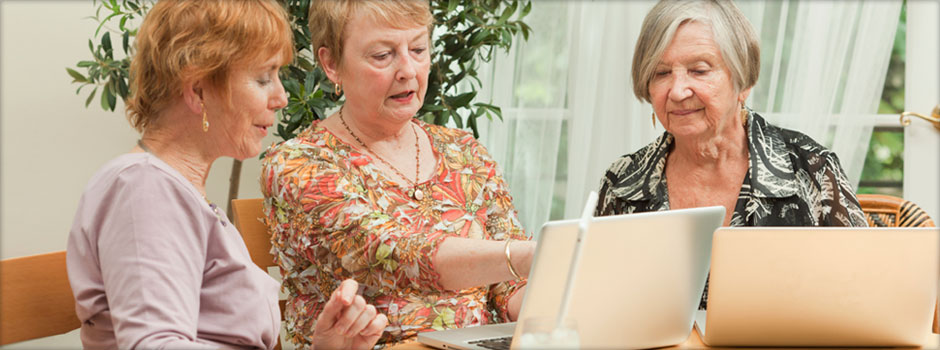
50,144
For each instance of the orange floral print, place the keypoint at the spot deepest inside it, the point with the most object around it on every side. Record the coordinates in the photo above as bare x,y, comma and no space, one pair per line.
333,215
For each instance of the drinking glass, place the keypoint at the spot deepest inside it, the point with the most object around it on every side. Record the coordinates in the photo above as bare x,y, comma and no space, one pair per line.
545,333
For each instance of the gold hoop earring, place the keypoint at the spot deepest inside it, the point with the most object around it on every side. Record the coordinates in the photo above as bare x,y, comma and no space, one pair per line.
205,118
654,119
337,89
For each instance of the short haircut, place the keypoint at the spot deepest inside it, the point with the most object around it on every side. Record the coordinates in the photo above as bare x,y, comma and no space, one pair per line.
328,19
736,39
182,41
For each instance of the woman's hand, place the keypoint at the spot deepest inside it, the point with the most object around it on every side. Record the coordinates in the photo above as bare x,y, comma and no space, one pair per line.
347,322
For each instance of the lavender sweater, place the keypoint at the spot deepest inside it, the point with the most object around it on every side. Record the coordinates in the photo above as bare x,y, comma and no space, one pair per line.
152,266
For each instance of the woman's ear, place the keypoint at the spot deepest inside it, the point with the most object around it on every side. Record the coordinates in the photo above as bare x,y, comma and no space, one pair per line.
742,96
329,64
193,96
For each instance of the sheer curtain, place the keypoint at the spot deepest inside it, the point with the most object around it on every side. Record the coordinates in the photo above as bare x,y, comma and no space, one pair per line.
607,121
529,83
823,65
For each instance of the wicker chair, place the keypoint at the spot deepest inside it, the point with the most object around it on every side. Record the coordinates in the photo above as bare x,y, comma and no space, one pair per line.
890,211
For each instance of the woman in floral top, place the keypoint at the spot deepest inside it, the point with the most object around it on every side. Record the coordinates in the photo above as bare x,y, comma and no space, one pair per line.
418,214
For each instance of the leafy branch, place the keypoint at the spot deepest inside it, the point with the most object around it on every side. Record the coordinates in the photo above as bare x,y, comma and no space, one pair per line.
467,34
103,70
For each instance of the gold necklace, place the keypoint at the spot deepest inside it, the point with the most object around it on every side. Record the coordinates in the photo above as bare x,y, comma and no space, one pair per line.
415,192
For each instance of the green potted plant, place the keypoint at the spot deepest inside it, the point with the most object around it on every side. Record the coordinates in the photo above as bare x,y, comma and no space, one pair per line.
466,34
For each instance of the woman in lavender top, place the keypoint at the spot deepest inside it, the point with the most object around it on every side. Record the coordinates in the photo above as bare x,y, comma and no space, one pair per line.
152,263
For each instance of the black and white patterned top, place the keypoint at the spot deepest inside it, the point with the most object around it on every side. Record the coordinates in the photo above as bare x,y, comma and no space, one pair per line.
791,181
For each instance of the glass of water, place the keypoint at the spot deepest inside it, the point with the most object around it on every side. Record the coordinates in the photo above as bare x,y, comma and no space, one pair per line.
546,333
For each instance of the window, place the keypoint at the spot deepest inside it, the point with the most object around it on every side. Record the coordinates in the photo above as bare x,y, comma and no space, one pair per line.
884,164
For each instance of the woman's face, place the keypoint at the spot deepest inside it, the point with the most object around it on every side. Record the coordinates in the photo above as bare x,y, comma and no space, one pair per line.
384,70
256,94
691,90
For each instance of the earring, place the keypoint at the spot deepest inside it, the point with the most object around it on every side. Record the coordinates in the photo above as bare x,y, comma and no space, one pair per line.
744,116
205,119
654,119
337,89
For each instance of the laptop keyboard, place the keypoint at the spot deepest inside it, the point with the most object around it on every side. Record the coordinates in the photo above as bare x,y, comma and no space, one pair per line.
494,343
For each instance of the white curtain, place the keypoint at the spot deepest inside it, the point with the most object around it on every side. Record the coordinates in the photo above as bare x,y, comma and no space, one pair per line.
569,109
607,120
823,65
529,83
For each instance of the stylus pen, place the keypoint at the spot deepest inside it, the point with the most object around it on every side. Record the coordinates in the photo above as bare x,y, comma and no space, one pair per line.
586,217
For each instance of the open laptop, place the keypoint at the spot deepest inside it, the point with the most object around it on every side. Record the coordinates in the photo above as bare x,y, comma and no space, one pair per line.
638,283
814,286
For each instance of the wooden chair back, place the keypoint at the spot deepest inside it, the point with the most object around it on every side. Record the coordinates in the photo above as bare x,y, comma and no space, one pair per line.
248,215
35,298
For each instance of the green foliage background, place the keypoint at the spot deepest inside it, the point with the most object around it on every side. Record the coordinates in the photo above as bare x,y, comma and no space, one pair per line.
466,34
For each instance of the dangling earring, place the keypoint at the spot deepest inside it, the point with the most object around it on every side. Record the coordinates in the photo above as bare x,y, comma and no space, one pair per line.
654,119
744,116
205,119
337,89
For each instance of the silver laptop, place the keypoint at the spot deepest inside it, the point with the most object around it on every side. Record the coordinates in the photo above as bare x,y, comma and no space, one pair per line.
638,283
816,286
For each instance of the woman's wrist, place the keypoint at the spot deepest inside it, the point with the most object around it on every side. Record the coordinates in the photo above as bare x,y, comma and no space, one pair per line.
521,253
508,253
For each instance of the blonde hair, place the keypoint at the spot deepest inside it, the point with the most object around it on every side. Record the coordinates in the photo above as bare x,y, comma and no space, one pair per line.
327,20
183,41
736,39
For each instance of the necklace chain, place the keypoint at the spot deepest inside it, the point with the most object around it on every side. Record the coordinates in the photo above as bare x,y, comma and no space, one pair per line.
377,156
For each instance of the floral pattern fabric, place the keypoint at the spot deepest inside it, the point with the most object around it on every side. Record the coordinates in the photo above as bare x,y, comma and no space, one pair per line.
334,215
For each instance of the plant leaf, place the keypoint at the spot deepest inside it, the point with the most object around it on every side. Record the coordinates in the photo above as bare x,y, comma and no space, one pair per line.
507,12
90,97
310,82
76,76
460,100
106,42
105,100
125,38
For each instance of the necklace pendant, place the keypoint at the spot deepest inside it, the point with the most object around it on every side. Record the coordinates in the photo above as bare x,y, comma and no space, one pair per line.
418,194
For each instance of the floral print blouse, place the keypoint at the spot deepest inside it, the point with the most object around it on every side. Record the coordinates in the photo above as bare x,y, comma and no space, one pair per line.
334,215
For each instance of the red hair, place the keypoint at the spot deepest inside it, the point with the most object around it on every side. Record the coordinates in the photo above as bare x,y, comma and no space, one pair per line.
182,41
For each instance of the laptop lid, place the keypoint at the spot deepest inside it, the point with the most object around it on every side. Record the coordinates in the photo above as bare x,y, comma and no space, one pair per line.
812,286
639,280
638,284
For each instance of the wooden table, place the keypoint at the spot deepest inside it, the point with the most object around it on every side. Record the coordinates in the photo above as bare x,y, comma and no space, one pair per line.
693,342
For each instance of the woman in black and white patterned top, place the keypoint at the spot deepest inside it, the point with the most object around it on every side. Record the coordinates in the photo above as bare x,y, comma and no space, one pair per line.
696,62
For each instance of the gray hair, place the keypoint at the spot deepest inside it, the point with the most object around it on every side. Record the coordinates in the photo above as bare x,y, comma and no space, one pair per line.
736,39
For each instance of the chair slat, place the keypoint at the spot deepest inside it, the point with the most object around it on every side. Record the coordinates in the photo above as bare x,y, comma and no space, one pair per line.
35,298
